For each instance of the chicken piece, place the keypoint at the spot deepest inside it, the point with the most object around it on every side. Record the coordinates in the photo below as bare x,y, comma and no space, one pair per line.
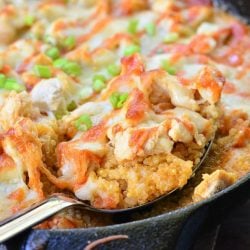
163,86
54,94
11,21
47,95
8,32
189,123
76,157
16,54
180,96
133,142
13,190
122,149
212,184
97,111
179,132
17,106
209,84
14,107
187,115
21,143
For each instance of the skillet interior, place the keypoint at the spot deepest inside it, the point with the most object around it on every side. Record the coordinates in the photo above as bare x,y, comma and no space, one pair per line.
176,229
169,224
176,219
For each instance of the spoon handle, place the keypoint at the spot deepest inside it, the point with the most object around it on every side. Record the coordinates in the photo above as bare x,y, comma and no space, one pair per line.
32,216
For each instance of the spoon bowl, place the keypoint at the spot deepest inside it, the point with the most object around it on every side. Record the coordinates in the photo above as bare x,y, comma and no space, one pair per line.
57,202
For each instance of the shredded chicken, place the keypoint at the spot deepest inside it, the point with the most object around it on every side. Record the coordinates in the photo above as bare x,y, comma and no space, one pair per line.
114,101
213,183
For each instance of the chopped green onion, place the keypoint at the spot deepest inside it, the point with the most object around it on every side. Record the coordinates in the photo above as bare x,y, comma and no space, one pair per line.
122,99
131,49
69,43
50,40
98,85
83,123
12,84
71,106
59,63
53,53
132,26
150,29
2,80
165,64
42,71
114,98
99,77
171,37
29,20
69,67
114,69
117,99
72,69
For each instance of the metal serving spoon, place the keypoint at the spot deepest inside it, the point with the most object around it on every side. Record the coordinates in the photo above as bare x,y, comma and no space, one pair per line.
57,202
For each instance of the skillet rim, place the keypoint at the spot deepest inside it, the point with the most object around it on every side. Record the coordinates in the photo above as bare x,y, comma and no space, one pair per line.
167,215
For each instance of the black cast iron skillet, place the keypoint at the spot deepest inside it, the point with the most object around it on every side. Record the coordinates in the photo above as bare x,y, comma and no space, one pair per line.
172,230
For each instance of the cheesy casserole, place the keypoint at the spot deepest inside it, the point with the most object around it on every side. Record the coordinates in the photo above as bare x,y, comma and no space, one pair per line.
114,101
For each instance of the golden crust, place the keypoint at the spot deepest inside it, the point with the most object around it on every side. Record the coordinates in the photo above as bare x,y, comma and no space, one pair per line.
143,180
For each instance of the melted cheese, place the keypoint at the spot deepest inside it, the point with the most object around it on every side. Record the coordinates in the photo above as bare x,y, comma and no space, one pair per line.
116,77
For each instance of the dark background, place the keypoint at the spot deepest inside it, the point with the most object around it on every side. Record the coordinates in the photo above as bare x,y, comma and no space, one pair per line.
233,233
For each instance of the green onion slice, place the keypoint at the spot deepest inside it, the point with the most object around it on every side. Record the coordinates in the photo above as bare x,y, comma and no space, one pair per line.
165,64
29,20
69,67
114,69
132,49
98,85
12,84
171,37
83,123
72,68
132,26
50,40
117,99
69,43
99,77
42,71
150,29
2,80
53,53
59,63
